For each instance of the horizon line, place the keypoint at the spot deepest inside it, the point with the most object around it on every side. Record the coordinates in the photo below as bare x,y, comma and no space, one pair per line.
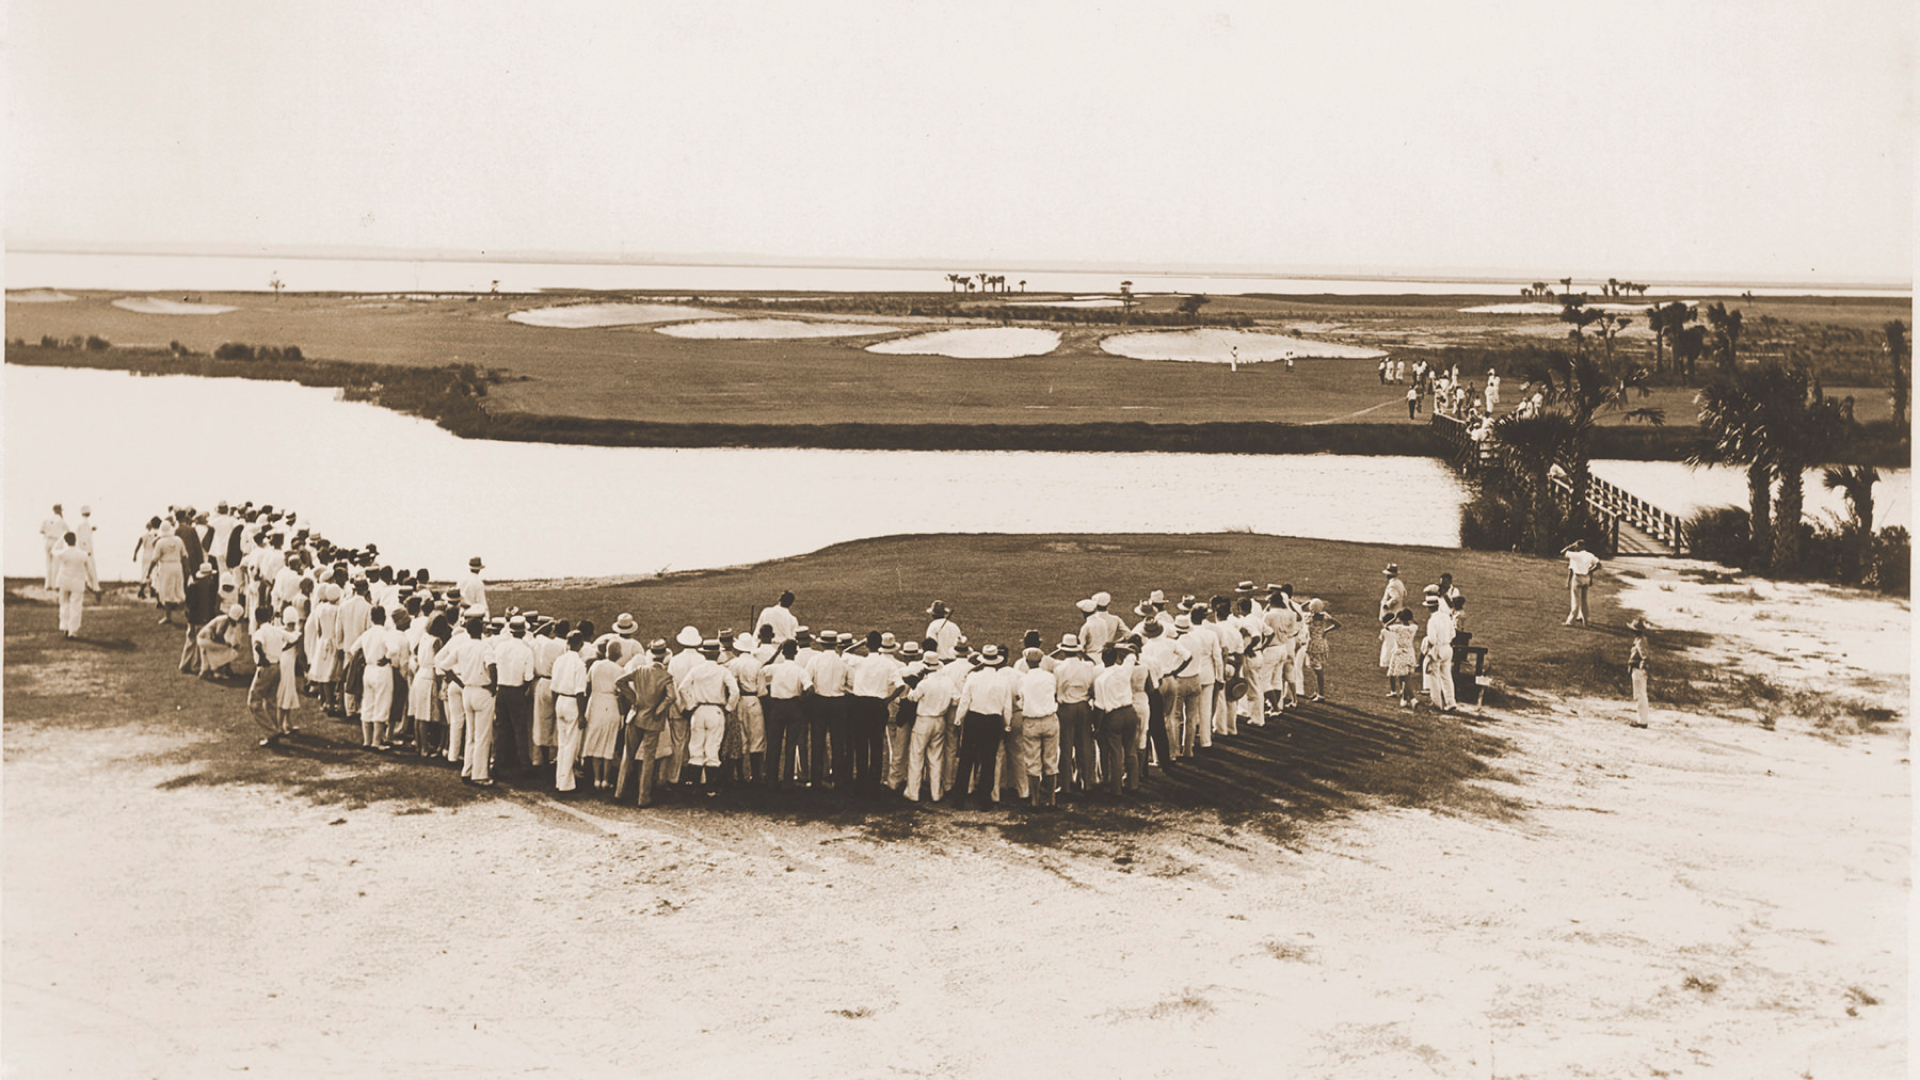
384,253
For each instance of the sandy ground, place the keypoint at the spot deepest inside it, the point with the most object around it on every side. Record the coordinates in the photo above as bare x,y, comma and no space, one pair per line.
1211,346
585,316
769,329
151,305
1706,897
37,296
984,343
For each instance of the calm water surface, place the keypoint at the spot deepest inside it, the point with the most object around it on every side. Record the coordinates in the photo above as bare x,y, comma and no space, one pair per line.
129,446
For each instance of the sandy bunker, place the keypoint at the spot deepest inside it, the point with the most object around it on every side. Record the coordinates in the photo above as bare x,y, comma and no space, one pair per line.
583,316
36,296
1213,346
769,329
153,305
986,343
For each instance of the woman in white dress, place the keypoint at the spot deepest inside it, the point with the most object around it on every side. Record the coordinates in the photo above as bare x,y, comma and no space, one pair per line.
603,717
323,645
169,574
143,555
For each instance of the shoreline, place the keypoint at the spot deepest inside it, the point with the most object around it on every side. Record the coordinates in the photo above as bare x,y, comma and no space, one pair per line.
454,397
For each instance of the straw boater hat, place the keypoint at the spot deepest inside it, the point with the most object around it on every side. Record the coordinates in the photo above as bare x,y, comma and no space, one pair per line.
517,624
939,609
625,624
1086,606
1069,643
888,644
475,563
989,655
658,646
1392,570
710,647
1244,587
688,636
803,635
910,650
1181,625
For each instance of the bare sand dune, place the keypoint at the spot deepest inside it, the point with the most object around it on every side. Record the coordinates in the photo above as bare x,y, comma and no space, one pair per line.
583,316
153,305
1213,346
984,343
768,329
36,296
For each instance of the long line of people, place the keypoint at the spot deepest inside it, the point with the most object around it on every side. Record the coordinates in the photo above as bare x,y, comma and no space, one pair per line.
431,669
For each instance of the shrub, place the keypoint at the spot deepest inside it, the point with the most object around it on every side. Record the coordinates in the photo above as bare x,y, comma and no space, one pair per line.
233,350
1888,565
1718,533
48,341
95,343
1492,521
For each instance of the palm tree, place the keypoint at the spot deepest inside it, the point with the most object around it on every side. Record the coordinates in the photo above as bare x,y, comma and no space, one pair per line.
1610,325
1726,334
1581,316
1856,483
1729,411
1581,388
276,285
1533,446
1899,355
1023,284
954,282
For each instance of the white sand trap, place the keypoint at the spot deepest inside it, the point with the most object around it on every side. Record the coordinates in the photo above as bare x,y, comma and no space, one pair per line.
153,305
768,329
1211,346
986,343
36,296
581,316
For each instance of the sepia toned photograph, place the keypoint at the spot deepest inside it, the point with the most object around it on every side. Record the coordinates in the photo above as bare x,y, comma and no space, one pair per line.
896,540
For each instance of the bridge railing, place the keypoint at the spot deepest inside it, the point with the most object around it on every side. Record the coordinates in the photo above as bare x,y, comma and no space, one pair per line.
1610,504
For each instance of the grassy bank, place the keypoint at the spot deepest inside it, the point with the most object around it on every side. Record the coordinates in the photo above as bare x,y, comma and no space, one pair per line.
477,403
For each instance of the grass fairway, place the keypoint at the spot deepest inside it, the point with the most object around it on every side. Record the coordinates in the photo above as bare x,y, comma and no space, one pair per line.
1355,750
635,374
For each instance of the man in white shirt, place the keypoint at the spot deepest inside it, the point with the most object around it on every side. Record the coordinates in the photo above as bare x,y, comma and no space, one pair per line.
1038,701
1170,665
53,533
513,663
705,694
223,524
1118,724
748,672
986,706
71,566
680,725
1102,627
956,670
468,663
546,647
1439,649
932,694
781,618
569,681
1581,565
787,686
1207,664
473,591
943,630
1073,680
829,729
873,680
83,539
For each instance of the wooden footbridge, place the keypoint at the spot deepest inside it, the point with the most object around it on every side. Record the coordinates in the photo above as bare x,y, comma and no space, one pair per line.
1633,525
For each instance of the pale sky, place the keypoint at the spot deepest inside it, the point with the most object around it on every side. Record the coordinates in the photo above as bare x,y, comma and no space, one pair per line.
1751,139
